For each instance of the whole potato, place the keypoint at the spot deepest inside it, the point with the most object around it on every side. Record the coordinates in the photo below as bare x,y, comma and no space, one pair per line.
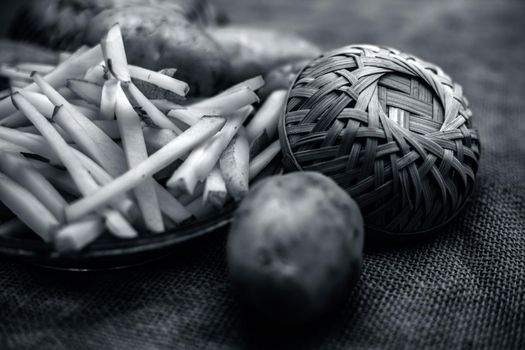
255,51
281,78
60,24
295,246
13,52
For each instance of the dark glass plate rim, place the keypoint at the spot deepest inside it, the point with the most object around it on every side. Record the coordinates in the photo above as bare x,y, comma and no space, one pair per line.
112,253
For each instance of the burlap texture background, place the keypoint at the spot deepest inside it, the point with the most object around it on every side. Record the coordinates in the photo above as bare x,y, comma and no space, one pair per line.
462,289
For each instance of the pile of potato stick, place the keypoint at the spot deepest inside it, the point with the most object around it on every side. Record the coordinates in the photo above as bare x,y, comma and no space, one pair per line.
84,151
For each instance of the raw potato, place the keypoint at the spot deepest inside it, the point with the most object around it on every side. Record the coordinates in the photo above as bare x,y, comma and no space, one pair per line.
281,78
235,167
60,23
254,51
295,246
12,52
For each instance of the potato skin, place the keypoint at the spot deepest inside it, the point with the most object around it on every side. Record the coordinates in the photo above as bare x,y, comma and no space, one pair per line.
255,51
60,24
295,247
281,77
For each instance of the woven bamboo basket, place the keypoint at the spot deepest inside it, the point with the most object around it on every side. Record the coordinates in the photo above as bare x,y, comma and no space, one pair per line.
391,129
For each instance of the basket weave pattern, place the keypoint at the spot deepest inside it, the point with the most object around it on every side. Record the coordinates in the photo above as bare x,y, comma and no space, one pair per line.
393,130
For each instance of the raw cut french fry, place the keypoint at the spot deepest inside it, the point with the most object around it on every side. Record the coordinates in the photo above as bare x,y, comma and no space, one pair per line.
186,141
165,105
261,161
108,99
32,143
41,102
170,206
80,102
27,208
66,93
115,222
39,146
18,83
89,138
115,54
158,79
15,120
166,173
59,178
253,84
187,198
153,112
118,225
86,90
135,152
123,203
36,144
11,147
202,159
77,235
6,107
77,52
266,118
109,127
215,192
32,130
13,227
230,102
157,138
36,67
189,116
63,56
5,93
72,67
17,168
184,115
96,74
87,111
170,72
234,166
63,181
15,73
201,210
82,178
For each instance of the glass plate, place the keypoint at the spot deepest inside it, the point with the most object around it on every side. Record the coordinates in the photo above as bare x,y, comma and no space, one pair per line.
112,253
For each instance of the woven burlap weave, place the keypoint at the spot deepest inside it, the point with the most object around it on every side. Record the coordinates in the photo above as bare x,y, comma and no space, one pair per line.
463,288
391,129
